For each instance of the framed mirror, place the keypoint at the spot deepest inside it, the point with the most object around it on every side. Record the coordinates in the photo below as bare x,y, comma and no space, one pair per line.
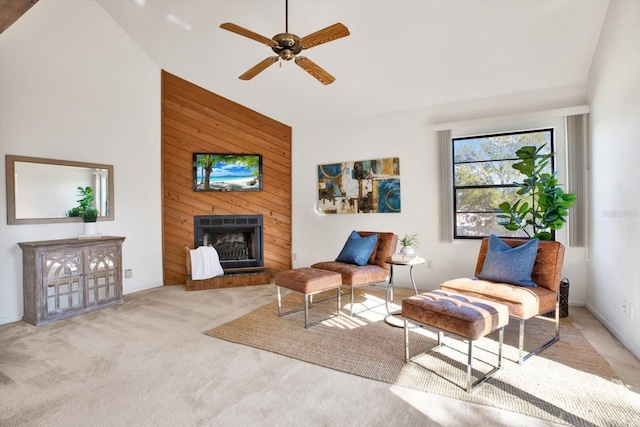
43,191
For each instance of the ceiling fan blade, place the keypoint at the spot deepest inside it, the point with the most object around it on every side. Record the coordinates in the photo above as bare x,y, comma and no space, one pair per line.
334,32
312,68
247,33
258,68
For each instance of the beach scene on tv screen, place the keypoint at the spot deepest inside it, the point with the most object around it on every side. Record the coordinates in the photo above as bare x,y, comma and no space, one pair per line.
215,172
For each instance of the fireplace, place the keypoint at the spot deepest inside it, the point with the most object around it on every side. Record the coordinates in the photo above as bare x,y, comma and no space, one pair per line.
237,238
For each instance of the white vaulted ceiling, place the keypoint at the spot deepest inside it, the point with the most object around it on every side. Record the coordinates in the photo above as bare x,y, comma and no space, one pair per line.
401,54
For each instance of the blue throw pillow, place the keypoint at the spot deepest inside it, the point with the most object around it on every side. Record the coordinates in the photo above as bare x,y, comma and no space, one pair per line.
357,249
509,265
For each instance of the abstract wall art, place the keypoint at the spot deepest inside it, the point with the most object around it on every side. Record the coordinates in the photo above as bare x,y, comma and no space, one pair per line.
368,186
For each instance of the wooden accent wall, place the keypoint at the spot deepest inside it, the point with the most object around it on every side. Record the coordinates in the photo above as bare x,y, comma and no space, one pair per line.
196,120
12,10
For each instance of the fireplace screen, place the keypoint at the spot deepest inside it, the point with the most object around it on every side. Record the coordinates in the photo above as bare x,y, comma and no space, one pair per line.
233,245
237,238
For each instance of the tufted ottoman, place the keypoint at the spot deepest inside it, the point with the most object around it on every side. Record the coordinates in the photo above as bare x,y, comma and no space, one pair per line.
460,315
308,281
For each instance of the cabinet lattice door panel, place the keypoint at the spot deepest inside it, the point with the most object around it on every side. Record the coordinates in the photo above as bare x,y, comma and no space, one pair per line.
101,266
63,278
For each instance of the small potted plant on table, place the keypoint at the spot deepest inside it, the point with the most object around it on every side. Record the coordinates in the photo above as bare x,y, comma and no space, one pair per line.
86,210
408,243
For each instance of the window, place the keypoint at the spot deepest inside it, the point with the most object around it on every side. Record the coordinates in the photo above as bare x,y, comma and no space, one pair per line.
483,178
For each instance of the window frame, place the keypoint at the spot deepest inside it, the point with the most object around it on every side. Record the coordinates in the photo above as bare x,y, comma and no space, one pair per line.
455,188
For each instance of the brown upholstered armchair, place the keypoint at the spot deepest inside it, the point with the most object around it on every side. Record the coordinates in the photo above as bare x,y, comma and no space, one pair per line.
523,302
376,269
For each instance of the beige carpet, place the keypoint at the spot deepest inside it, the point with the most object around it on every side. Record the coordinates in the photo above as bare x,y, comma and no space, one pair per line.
568,383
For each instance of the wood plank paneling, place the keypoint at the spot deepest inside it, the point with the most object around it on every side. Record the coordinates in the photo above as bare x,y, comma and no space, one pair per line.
196,120
12,10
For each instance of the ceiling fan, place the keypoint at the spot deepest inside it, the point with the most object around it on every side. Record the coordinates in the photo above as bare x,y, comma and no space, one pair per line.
287,46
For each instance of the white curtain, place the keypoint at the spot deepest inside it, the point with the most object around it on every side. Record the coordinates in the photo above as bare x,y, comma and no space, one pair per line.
446,186
577,182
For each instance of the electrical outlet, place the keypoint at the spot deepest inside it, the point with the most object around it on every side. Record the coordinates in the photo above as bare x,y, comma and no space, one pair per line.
630,311
128,273
429,264
295,256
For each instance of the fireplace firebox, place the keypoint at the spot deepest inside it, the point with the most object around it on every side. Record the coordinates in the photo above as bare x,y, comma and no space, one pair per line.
237,238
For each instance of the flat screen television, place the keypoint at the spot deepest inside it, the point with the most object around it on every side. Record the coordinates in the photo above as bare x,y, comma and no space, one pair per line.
227,172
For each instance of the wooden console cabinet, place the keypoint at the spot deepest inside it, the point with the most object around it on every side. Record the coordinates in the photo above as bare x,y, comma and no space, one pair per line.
64,278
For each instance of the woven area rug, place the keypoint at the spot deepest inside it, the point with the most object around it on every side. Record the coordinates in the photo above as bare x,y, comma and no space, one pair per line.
567,383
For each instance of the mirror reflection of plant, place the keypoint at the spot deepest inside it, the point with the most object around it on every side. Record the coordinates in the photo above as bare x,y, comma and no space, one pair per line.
545,206
85,207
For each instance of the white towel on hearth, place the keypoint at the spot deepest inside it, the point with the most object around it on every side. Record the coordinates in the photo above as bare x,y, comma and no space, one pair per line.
205,263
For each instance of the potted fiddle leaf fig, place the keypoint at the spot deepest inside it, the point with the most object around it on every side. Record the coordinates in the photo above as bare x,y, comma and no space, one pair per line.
543,205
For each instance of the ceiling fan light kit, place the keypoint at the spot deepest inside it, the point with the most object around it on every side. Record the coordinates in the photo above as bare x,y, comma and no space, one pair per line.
287,46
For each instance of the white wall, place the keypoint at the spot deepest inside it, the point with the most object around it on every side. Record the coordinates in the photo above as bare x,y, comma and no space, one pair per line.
407,135
614,94
74,86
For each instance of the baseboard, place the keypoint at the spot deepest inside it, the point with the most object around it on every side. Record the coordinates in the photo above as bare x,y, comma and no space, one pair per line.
632,348
10,319
129,290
